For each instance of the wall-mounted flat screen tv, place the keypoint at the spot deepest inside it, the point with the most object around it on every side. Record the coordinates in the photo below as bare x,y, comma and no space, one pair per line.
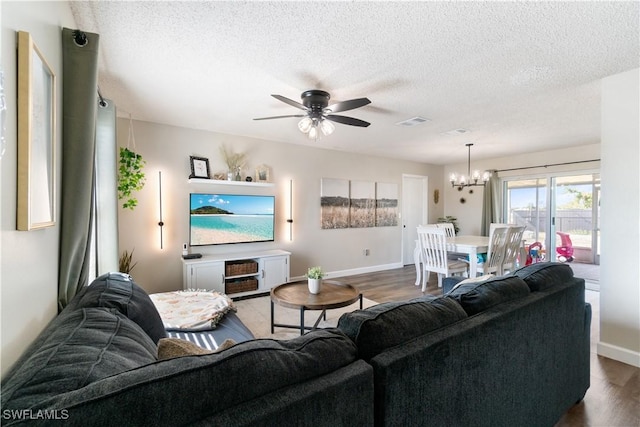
219,219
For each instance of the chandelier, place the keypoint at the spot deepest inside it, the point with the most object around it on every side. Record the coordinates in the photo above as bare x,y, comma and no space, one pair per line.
313,126
469,180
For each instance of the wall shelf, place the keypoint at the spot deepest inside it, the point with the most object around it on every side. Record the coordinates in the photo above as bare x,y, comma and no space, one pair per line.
225,182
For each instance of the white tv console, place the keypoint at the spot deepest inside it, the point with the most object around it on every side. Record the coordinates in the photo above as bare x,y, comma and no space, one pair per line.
237,274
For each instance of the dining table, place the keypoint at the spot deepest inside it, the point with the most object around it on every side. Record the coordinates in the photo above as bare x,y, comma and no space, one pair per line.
470,245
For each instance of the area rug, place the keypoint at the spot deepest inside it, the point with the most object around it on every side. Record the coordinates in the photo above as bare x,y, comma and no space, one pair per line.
255,313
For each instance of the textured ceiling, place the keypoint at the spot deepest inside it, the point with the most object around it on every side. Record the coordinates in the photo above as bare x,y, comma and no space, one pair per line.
519,76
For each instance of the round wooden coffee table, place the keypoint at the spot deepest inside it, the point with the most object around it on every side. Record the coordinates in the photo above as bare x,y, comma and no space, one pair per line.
296,295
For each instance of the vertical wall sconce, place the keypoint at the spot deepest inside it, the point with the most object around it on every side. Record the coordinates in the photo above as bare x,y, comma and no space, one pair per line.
160,223
290,219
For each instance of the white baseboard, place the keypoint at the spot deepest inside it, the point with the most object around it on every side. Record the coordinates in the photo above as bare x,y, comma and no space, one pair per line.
353,271
592,285
620,354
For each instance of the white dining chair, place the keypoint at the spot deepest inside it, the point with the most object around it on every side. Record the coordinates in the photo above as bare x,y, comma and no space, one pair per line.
432,243
496,252
448,227
417,257
513,248
495,225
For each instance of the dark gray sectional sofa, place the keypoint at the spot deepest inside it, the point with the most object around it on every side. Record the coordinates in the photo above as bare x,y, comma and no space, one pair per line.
510,351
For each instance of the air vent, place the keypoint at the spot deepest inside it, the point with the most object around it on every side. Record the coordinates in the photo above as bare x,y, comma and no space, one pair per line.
459,131
414,121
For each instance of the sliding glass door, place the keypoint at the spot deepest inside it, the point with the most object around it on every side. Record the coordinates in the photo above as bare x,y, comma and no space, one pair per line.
560,213
575,217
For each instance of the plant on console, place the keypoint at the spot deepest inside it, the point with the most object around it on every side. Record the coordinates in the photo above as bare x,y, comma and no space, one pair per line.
315,273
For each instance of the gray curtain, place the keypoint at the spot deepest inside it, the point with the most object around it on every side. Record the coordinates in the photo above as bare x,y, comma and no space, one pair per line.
491,203
79,105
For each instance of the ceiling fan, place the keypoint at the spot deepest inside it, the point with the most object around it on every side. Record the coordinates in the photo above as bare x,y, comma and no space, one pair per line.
318,114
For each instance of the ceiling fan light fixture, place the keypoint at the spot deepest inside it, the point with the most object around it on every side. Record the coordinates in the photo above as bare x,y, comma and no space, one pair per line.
305,125
313,132
327,127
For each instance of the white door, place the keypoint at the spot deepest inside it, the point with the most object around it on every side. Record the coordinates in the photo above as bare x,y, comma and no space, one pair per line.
415,212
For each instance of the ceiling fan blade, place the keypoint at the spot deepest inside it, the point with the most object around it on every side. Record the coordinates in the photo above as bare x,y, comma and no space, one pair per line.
280,117
290,102
348,105
347,120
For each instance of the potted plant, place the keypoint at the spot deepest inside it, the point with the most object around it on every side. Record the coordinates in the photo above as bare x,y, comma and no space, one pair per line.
453,220
314,279
125,263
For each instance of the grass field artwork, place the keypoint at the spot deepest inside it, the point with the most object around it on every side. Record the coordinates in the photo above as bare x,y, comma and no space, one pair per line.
334,203
357,204
362,209
386,204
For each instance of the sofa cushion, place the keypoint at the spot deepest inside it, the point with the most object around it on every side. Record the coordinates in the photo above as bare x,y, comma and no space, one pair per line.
543,275
245,371
389,324
479,296
119,291
87,345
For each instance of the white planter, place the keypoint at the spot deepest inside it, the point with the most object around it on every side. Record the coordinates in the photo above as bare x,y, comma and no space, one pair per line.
314,285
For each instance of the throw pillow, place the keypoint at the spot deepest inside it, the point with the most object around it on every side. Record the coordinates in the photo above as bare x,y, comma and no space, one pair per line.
169,348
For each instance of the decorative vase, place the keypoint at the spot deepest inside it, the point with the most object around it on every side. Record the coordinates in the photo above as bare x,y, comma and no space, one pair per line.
229,176
314,285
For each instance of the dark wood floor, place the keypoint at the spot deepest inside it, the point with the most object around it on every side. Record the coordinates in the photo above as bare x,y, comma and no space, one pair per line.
613,400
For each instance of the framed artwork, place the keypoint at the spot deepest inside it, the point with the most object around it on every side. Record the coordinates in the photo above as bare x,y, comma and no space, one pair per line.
334,203
199,167
362,204
386,204
36,206
262,173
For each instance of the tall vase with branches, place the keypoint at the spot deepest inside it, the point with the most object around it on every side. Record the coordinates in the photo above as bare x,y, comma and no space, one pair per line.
235,161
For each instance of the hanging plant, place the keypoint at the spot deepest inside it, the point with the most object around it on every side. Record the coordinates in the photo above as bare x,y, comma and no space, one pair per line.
130,177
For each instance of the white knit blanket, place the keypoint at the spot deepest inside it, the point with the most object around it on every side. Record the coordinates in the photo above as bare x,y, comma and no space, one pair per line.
195,310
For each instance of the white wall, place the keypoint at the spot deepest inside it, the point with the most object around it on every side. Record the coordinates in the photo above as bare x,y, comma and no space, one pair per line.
620,219
28,259
168,148
469,214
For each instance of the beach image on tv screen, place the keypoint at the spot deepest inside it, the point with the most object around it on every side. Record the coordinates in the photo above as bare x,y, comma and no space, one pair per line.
229,218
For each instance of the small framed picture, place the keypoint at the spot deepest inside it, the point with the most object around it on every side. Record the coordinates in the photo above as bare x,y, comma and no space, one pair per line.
262,173
199,167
